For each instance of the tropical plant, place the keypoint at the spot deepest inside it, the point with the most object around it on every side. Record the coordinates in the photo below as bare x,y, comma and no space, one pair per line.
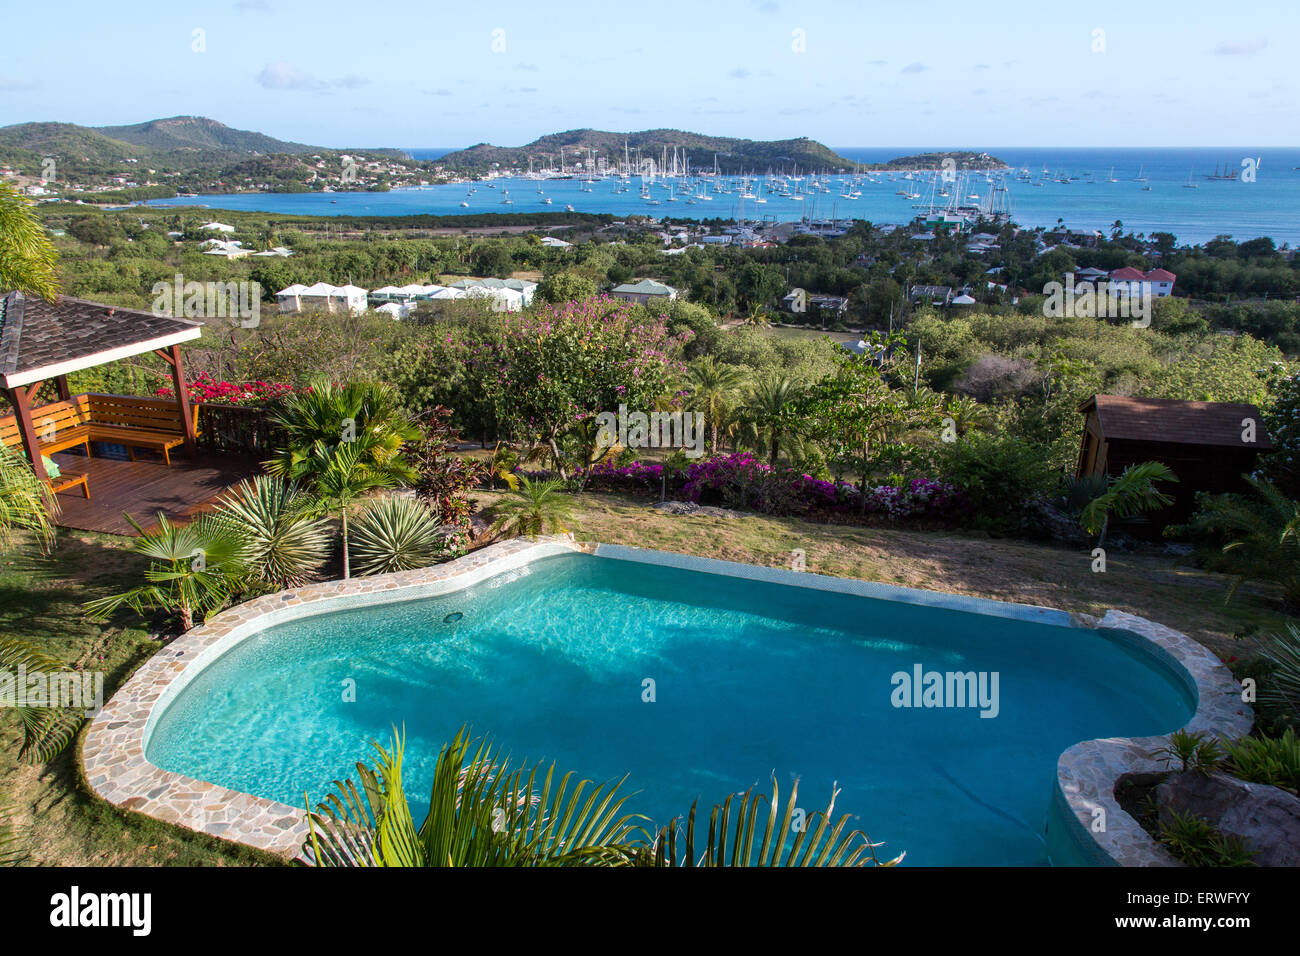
48,729
396,534
967,414
444,478
27,257
1081,490
1281,688
713,389
194,571
1196,843
535,507
1131,492
769,416
25,501
1270,760
760,838
324,416
341,475
1193,751
502,467
998,474
481,813
1262,532
281,542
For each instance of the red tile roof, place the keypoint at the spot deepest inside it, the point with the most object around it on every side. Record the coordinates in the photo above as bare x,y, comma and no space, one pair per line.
1176,421
1128,273
1161,275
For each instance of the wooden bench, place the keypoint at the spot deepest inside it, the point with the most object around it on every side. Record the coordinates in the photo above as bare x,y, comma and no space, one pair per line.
69,479
114,419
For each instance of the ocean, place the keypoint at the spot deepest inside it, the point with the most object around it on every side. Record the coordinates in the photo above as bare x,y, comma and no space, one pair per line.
1263,198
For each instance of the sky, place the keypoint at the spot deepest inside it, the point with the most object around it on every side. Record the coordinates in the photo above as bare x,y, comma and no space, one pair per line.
433,74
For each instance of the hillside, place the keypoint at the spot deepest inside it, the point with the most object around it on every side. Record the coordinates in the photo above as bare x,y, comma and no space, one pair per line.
199,133
733,155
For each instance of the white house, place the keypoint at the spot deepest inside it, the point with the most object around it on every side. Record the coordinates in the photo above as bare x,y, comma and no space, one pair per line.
278,252
503,300
554,243
525,288
288,298
231,249
323,297
646,290
217,227
397,310
1133,282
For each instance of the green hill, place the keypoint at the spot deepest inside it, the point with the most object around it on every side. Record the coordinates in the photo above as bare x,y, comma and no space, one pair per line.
733,155
199,133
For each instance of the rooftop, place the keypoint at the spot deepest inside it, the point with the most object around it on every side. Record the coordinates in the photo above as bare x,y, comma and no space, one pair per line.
1174,421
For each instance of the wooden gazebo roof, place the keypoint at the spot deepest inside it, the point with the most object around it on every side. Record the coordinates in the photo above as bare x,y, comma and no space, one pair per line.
42,340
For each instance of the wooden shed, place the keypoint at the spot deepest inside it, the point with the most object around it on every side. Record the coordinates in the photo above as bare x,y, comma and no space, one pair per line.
1208,445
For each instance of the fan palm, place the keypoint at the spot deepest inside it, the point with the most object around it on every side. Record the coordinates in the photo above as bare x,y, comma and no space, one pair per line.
819,841
281,542
46,730
1129,493
714,388
396,534
326,415
27,257
25,501
481,813
768,416
967,414
341,475
534,508
194,570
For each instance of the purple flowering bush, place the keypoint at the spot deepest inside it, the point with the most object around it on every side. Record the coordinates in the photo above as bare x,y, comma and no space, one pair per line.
743,481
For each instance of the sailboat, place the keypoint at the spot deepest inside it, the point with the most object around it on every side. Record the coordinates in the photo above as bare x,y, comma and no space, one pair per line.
1139,178
1189,184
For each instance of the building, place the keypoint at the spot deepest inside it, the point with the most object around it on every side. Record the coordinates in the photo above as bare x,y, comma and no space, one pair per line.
1132,282
645,291
217,227
322,297
525,288
218,247
933,294
277,252
553,243
1208,445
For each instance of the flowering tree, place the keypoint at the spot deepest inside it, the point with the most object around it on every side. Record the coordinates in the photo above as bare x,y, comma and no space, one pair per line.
568,362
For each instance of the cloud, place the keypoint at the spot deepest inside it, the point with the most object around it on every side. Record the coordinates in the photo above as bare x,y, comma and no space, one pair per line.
286,76
12,84
914,67
1241,47
739,73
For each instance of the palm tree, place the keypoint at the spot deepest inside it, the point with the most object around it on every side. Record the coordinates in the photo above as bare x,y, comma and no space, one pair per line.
46,730
714,388
967,414
1263,538
768,415
328,415
481,813
533,508
340,476
25,501
1130,493
281,540
27,257
397,534
194,570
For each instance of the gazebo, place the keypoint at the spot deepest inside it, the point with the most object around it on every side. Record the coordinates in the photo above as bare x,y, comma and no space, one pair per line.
43,342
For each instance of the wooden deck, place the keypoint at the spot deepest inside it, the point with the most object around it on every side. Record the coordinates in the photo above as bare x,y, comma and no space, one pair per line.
143,488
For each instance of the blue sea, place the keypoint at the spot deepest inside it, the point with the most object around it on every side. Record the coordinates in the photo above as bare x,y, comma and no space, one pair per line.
1268,206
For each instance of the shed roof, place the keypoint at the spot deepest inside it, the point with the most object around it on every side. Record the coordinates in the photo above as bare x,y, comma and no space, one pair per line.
41,340
1178,422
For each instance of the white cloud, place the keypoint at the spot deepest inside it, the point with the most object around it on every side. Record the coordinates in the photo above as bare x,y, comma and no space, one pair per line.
914,67
1240,47
286,76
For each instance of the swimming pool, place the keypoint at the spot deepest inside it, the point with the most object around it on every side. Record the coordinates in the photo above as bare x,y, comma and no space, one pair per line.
750,677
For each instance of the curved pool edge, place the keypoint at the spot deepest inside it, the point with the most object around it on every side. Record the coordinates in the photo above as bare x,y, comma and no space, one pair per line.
113,753
1086,823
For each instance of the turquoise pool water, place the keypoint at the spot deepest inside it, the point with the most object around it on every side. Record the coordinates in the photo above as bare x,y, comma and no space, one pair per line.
750,678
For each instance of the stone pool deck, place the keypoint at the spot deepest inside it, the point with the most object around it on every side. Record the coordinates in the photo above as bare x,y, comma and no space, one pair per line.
117,770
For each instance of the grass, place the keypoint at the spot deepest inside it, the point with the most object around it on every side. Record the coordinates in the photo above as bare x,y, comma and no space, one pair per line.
40,600
61,822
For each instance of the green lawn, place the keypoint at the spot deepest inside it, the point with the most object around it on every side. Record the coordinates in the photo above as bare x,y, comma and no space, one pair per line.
40,600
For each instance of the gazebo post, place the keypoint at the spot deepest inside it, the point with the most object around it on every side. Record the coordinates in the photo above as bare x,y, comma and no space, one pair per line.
173,358
21,397
61,382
